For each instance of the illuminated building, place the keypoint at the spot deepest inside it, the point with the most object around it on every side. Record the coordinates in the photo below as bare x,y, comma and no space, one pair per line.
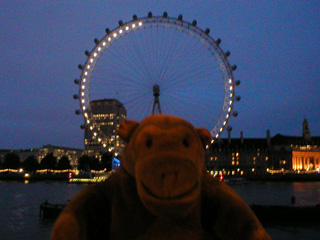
254,156
107,114
73,154
306,158
239,156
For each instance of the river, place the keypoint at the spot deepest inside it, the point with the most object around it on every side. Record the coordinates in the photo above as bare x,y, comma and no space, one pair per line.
19,206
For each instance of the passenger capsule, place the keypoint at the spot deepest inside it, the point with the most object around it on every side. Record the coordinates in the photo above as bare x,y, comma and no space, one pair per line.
87,53
207,31
107,30
134,17
165,14
75,96
82,126
96,41
149,14
234,67
120,23
78,112
180,17
237,82
194,23
238,98
235,113
218,41
227,53
76,81
80,66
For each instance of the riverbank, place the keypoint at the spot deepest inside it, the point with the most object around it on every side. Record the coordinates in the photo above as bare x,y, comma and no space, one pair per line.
287,177
65,176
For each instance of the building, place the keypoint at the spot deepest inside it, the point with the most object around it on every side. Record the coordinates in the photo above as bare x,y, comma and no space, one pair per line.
107,114
73,154
239,156
306,158
258,156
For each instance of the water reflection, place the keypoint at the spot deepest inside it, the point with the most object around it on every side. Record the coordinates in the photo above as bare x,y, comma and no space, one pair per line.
19,206
279,193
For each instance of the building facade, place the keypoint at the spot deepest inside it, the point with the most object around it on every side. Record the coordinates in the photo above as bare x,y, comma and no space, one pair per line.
239,156
258,156
73,154
107,115
306,158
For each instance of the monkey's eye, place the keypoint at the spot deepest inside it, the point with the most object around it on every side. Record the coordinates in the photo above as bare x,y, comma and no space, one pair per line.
185,142
149,143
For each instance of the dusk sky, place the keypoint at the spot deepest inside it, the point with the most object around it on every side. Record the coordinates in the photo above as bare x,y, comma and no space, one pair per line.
275,44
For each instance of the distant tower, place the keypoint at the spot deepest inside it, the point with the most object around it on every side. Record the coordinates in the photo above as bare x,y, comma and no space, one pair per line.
305,131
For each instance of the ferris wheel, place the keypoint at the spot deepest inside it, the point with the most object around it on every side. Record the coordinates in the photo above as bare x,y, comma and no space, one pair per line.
160,64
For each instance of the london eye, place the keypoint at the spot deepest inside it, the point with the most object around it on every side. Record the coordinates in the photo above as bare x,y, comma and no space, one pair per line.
160,64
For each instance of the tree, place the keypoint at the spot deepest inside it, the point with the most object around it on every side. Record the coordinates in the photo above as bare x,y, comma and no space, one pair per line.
64,163
106,160
48,162
84,163
87,163
30,164
95,164
11,160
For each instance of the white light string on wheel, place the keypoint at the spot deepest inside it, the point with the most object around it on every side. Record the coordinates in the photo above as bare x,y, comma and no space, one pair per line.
158,24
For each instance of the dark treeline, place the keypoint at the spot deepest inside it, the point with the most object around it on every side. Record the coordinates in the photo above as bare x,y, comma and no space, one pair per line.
31,164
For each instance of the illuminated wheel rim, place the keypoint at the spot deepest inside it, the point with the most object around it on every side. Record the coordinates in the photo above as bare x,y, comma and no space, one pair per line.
136,31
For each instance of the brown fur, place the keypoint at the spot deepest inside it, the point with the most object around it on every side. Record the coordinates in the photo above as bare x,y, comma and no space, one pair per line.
161,191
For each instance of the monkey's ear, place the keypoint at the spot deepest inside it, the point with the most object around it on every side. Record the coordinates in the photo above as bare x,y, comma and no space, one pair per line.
126,129
205,136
